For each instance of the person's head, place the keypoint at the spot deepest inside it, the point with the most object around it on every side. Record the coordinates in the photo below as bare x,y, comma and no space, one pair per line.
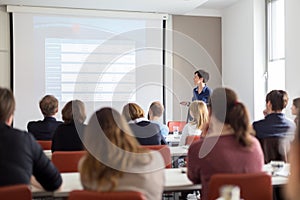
200,76
156,109
74,111
296,106
199,113
276,101
132,111
225,108
7,106
119,149
49,105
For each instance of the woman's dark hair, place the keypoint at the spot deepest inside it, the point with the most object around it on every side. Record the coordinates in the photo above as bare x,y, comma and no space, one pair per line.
202,74
224,105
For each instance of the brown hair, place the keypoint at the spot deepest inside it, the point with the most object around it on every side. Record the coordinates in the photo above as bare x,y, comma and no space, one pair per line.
296,102
118,149
226,108
157,108
7,104
132,111
278,98
49,105
202,74
199,112
73,111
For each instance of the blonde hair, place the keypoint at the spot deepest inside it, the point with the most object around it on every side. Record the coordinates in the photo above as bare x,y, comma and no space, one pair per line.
117,151
199,112
132,111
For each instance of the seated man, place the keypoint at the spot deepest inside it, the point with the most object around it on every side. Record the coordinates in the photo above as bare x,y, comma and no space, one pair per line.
155,112
44,129
275,131
21,156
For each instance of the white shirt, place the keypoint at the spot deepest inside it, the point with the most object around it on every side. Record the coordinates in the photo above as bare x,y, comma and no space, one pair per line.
188,129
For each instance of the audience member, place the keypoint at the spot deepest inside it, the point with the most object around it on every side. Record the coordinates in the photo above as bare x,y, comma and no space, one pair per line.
229,146
67,136
119,163
292,189
156,110
295,109
146,132
275,131
21,156
199,113
44,129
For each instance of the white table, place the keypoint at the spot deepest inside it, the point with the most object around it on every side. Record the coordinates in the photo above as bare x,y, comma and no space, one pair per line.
48,153
179,151
175,180
173,140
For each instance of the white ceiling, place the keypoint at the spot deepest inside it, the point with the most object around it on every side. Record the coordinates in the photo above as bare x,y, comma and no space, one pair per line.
159,6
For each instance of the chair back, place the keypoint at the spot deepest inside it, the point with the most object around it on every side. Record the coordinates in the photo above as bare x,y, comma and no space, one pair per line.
94,195
191,138
274,148
67,161
20,192
252,185
45,144
180,124
165,151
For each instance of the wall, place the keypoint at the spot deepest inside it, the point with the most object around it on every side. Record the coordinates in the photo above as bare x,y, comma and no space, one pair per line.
243,46
292,41
4,49
196,45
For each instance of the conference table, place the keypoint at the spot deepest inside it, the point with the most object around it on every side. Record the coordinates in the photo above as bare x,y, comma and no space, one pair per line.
175,181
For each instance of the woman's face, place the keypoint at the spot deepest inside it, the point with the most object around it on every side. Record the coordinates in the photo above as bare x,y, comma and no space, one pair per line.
197,80
294,110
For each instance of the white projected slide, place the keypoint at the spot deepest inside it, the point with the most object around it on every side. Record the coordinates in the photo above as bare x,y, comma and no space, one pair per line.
103,61
84,70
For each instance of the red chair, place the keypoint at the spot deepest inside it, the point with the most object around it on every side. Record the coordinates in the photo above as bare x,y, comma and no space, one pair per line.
94,195
67,161
165,152
191,138
180,124
20,192
45,144
252,185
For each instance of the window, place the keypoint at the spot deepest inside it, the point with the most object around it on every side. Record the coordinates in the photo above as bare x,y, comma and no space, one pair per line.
276,45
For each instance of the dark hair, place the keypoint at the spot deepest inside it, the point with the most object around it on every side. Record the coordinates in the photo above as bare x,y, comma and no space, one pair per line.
7,104
74,111
278,99
202,74
226,108
49,105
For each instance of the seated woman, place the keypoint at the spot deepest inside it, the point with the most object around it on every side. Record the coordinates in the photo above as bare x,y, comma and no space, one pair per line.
229,146
67,136
146,132
199,114
295,109
115,160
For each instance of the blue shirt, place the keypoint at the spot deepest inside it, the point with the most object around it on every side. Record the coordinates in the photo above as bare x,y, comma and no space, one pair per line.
274,125
164,130
203,96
